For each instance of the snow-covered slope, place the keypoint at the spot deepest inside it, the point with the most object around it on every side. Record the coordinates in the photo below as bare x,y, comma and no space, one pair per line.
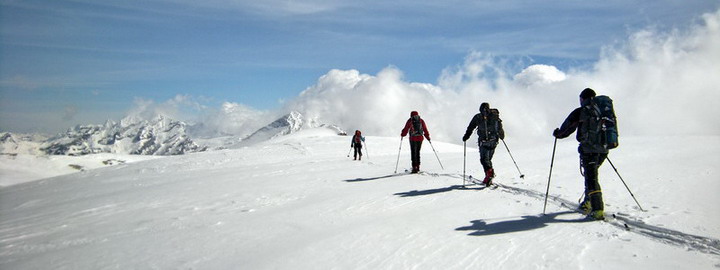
159,136
298,202
21,168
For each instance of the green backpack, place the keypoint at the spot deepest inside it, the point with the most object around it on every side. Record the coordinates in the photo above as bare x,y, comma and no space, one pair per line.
598,125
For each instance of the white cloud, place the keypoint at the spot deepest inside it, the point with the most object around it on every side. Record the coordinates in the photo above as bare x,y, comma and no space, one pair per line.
234,119
662,83
665,83
181,107
230,119
375,104
539,74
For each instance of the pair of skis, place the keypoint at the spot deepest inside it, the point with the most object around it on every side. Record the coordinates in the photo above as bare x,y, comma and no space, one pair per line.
475,181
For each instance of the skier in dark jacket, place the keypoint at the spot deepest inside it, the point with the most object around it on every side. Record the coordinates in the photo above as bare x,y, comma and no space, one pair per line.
489,130
417,129
357,142
590,157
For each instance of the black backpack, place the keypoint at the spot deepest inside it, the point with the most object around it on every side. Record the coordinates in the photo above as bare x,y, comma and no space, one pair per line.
416,129
489,129
598,125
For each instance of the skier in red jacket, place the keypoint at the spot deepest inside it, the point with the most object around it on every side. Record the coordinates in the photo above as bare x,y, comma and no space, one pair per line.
356,143
417,129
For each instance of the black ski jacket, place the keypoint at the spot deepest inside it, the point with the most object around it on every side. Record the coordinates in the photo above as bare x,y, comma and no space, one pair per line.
570,125
489,127
574,122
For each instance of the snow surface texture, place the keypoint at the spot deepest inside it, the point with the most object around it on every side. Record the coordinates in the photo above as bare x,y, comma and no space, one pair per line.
298,202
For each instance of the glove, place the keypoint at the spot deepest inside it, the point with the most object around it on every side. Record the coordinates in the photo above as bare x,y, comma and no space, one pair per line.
466,137
556,132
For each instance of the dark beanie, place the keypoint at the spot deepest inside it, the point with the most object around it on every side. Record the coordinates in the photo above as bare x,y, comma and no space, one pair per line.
484,106
587,93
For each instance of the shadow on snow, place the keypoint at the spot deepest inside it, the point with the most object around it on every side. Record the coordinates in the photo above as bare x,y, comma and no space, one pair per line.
480,227
375,178
526,223
413,193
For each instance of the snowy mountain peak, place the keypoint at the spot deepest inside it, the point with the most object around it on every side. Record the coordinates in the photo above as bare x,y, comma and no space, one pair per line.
295,120
7,138
287,124
13,144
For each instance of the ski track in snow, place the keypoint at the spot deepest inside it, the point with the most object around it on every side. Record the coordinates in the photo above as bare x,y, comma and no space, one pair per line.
664,235
619,220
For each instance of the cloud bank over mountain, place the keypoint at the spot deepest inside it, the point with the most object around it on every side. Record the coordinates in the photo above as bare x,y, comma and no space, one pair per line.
661,82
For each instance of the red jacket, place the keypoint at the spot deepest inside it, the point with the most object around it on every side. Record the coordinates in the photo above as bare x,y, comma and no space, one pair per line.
409,127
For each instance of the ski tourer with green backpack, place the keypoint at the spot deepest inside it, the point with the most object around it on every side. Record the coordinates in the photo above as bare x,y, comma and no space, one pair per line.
597,133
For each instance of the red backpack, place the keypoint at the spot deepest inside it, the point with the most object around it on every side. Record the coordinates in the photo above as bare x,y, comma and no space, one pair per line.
358,137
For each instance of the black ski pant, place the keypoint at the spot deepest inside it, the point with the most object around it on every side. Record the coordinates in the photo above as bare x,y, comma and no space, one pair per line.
590,163
415,152
487,150
358,151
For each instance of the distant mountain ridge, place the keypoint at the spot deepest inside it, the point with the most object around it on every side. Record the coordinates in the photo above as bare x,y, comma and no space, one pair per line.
13,144
159,136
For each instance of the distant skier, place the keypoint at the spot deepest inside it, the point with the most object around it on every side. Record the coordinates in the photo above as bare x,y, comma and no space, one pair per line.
357,143
489,130
591,124
417,129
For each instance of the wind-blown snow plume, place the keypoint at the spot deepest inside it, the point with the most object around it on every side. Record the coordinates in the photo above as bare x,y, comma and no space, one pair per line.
232,119
658,80
378,105
665,82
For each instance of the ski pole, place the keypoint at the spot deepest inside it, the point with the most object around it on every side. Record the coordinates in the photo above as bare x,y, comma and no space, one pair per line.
552,160
626,186
513,159
398,159
464,157
436,155
348,155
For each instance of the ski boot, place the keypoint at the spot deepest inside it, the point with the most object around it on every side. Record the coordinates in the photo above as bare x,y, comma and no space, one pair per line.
585,207
597,215
489,175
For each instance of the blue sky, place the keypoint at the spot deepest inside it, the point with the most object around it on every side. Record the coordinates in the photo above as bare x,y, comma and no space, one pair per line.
79,62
